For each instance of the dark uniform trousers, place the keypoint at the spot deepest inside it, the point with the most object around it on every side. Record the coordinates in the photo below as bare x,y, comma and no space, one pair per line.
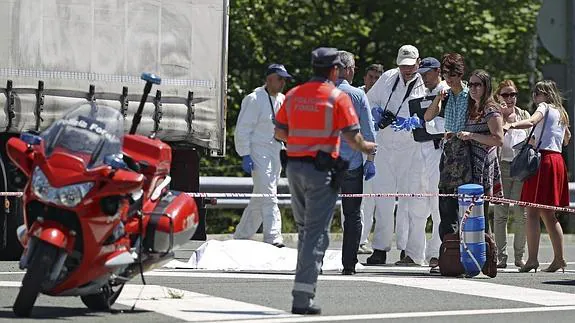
352,184
312,201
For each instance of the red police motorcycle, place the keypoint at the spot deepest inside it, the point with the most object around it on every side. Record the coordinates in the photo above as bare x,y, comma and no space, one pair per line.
97,207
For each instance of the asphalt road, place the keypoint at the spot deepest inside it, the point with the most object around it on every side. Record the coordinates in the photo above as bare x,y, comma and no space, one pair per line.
377,293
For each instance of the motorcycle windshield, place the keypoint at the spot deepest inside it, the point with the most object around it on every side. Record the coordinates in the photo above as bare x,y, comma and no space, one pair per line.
90,131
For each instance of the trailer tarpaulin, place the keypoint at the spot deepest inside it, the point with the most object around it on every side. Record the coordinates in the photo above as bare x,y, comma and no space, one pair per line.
70,45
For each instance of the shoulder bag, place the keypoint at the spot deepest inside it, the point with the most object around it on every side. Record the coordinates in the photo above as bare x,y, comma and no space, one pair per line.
526,162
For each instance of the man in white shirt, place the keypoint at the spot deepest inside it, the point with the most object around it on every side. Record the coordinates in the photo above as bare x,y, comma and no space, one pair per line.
372,74
254,141
429,138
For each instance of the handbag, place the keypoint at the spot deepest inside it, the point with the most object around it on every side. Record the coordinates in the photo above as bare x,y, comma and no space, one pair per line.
455,166
450,256
526,163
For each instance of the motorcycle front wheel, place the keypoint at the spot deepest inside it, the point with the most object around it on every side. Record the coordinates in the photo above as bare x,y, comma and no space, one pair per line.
103,300
43,258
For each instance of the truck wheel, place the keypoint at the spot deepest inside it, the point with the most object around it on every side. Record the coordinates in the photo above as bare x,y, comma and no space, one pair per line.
13,250
44,257
103,300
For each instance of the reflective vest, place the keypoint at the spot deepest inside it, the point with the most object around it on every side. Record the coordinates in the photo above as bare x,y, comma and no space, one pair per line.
314,114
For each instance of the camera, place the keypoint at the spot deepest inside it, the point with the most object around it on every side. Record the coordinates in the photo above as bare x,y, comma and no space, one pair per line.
386,119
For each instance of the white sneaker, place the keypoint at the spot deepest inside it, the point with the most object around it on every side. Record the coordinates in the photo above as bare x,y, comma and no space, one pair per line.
364,249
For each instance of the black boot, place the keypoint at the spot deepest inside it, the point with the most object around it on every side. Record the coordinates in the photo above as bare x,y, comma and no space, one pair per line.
377,258
312,309
402,255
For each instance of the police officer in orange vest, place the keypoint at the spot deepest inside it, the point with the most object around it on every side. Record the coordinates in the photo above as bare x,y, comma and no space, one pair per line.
310,120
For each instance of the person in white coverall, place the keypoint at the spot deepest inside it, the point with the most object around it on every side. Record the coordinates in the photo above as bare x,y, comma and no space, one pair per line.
431,134
372,74
254,141
401,164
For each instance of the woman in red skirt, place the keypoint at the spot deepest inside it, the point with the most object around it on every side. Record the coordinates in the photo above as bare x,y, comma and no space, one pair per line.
549,185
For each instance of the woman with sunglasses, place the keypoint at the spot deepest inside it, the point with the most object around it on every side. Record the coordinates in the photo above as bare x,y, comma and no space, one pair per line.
506,94
484,132
549,185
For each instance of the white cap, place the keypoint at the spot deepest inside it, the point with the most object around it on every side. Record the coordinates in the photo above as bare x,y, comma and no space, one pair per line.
407,55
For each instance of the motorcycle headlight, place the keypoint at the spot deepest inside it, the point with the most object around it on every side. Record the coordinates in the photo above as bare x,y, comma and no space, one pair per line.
68,196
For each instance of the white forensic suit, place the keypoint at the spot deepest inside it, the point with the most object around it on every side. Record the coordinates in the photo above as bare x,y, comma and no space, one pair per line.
431,153
400,169
254,136
367,211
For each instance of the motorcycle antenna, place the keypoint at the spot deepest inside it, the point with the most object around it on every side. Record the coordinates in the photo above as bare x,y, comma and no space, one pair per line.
150,80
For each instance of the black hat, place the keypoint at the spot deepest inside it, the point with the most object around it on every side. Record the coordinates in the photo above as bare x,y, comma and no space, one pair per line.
279,69
325,57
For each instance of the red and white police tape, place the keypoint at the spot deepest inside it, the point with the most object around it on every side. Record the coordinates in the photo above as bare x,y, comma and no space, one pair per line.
493,199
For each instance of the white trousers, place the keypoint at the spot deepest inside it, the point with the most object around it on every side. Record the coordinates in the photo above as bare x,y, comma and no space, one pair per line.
266,173
431,156
367,211
400,169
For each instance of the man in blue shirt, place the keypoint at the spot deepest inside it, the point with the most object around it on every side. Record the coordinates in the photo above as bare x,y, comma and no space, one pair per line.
353,178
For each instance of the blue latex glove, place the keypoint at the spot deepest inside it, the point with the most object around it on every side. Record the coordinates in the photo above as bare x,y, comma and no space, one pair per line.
247,164
377,114
368,170
414,123
408,124
399,124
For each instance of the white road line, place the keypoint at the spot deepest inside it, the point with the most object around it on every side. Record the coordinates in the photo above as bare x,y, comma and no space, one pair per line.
473,287
364,317
10,284
482,289
186,305
190,306
367,269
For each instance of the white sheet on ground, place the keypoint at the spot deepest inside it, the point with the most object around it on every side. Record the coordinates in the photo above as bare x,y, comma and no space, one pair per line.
249,255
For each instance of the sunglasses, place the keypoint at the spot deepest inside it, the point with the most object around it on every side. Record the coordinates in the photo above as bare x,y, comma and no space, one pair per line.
509,95
474,84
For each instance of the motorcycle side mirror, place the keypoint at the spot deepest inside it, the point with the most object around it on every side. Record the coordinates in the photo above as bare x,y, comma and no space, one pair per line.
115,161
30,138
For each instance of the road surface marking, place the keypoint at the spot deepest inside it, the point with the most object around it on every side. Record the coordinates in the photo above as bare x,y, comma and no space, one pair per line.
473,287
186,305
190,306
10,284
365,317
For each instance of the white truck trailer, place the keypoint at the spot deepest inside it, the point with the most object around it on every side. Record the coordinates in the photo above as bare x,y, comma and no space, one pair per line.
55,53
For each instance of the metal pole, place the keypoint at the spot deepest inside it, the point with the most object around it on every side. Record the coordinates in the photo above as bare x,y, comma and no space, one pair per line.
570,88
570,48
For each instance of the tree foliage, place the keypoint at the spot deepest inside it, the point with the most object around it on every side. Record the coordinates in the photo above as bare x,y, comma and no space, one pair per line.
495,35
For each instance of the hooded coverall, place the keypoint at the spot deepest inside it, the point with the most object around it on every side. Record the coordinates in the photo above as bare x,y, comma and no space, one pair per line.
400,169
431,156
254,136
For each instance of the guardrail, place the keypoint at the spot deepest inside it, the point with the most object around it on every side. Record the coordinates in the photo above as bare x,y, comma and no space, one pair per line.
221,184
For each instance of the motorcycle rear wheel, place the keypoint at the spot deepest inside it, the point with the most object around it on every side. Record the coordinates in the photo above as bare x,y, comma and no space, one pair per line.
42,260
102,301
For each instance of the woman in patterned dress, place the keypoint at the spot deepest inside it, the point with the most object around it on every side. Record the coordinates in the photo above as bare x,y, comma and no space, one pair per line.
484,133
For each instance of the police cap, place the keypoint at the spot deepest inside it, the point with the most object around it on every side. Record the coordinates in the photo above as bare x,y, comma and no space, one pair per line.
325,57
278,69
